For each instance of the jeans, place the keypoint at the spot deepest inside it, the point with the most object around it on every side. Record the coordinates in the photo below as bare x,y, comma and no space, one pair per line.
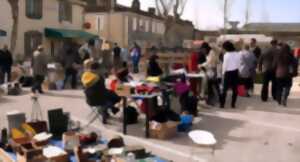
71,73
230,81
268,76
37,83
5,72
283,89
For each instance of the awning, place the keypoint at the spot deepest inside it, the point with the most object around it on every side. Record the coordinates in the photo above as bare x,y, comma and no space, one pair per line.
2,33
68,33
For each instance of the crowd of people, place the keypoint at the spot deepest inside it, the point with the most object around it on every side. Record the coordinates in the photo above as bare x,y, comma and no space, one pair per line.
228,68
225,67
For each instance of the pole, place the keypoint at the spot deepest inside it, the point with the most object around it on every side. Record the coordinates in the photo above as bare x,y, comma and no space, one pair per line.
225,15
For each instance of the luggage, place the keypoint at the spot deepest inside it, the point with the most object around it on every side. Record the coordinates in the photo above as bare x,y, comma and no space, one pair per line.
58,122
131,115
242,92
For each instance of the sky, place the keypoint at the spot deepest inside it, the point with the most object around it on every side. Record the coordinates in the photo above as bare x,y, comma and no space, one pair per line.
208,14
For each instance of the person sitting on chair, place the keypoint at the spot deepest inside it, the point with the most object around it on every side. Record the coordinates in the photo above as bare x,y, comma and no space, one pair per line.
98,95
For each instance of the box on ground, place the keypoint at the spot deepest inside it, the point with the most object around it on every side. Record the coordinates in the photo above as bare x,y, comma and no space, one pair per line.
163,130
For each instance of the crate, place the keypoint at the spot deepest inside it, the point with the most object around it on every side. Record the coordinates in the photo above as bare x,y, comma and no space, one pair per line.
163,130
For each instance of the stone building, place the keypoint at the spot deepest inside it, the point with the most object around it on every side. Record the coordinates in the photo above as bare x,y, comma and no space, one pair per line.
52,23
126,25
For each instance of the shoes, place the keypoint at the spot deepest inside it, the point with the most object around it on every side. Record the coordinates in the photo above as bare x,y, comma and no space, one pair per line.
115,110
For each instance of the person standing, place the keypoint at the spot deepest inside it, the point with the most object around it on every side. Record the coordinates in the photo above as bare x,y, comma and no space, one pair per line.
117,56
39,67
70,64
154,69
230,70
285,68
265,65
136,57
254,48
124,55
6,63
210,66
247,69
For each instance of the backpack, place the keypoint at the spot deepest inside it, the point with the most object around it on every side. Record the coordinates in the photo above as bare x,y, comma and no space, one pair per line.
131,115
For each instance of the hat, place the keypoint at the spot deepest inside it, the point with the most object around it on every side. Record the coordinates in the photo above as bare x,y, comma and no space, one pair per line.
88,79
40,47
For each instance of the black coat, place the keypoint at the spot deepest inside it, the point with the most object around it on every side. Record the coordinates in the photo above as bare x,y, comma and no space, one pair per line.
6,60
154,69
98,95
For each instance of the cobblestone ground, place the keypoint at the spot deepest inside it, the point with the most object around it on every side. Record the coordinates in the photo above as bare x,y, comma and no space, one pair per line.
254,132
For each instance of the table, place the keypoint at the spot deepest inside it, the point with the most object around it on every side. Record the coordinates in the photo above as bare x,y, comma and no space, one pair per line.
149,100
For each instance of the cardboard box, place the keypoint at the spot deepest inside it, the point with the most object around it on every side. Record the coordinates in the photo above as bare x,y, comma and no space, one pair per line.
123,90
28,153
163,130
70,141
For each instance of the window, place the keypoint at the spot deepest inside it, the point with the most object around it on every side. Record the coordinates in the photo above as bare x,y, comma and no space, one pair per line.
146,26
32,40
134,24
141,25
153,27
65,11
100,21
34,9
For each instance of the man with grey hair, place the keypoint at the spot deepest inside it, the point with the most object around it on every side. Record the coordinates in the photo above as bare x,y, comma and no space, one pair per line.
39,67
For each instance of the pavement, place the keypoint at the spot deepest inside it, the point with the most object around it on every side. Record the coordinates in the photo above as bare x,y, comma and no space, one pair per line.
254,132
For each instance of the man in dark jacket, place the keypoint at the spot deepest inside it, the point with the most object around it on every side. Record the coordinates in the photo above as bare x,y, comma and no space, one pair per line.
6,64
70,63
117,56
255,49
154,69
265,65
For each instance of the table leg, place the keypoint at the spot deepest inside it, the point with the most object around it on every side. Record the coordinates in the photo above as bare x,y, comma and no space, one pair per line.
148,103
124,115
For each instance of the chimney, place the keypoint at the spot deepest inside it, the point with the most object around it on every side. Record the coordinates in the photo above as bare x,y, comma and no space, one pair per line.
234,24
136,5
151,10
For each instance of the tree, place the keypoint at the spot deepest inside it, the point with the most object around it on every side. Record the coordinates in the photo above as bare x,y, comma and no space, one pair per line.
225,7
14,4
167,8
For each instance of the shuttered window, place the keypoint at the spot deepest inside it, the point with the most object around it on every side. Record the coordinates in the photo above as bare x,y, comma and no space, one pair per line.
32,40
65,11
34,9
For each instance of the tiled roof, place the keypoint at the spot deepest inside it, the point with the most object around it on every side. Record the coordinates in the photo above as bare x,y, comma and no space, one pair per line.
273,27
